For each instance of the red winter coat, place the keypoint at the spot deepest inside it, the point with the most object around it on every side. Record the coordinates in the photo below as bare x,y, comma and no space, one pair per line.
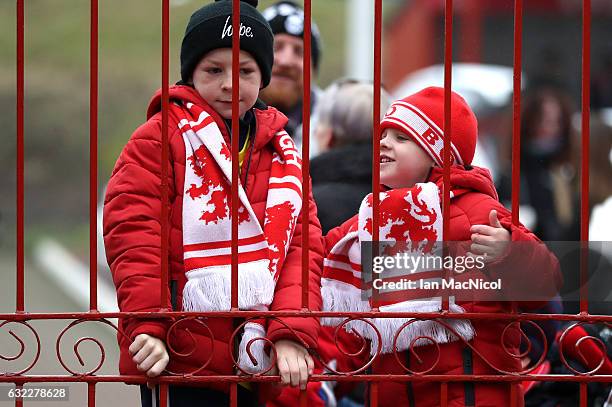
132,228
475,197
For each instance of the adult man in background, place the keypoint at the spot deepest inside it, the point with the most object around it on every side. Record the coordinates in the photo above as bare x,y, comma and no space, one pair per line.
285,91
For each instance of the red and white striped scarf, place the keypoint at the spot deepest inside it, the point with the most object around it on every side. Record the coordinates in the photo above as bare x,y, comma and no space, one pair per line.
207,223
408,216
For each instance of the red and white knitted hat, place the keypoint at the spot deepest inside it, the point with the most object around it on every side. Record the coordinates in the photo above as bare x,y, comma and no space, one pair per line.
421,116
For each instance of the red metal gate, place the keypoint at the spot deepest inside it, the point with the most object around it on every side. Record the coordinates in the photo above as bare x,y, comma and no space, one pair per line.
21,316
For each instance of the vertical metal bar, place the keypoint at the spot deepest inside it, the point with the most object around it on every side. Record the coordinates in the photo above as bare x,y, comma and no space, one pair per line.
235,142
443,394
19,387
376,117
233,393
583,395
448,66
235,181
164,161
306,152
513,394
93,158
373,394
586,111
20,186
516,110
516,138
376,136
163,395
91,394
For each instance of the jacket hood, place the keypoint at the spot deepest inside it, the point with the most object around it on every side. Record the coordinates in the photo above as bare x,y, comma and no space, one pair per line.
269,121
465,179
349,164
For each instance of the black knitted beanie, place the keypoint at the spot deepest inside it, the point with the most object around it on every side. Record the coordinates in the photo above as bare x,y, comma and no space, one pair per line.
287,17
210,28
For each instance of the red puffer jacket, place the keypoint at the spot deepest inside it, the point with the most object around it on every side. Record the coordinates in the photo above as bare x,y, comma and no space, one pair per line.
132,230
474,198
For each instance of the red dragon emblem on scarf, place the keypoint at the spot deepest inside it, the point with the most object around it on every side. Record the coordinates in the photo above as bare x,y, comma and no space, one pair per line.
278,218
214,184
405,226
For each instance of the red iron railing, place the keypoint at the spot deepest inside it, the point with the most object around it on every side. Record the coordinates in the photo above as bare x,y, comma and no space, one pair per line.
19,378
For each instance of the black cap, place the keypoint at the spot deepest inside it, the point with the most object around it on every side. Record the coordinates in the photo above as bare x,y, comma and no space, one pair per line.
286,17
210,28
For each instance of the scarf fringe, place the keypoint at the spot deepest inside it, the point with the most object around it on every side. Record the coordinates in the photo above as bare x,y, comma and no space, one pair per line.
339,296
342,297
253,330
388,328
209,289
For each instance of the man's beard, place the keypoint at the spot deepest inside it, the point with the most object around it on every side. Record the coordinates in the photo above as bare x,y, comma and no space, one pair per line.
282,96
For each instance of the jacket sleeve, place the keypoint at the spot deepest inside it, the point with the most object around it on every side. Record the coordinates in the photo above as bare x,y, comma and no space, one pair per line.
526,260
132,228
288,293
334,235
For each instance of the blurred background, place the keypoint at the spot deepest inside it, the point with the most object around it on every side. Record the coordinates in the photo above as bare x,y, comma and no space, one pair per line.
57,121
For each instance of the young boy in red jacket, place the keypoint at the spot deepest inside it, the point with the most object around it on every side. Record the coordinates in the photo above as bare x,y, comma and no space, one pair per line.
199,191
411,172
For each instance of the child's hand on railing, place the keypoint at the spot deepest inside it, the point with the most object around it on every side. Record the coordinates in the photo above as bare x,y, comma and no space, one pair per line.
293,362
490,240
150,355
